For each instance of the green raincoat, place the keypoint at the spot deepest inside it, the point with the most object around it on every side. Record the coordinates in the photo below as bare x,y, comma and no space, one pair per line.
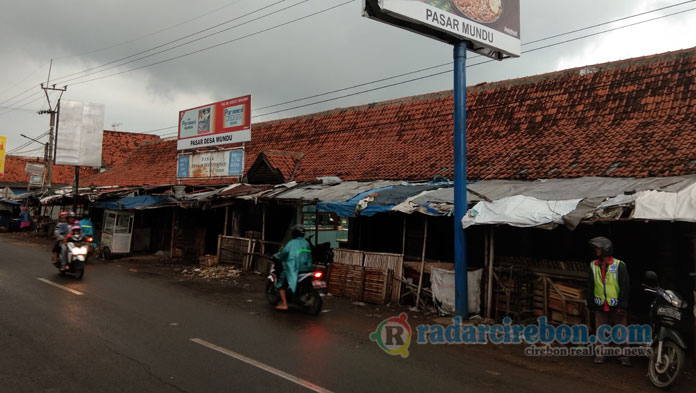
296,257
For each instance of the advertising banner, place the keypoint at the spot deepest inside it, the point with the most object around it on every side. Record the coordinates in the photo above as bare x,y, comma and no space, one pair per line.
493,26
211,164
3,142
220,123
35,168
79,134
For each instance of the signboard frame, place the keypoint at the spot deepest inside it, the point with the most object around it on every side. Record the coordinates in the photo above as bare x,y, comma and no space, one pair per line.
79,134
210,164
215,124
444,21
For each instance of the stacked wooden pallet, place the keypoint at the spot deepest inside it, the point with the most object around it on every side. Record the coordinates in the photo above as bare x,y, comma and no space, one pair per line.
565,303
539,295
360,283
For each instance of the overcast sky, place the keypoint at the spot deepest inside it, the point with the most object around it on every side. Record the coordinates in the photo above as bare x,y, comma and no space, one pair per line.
332,50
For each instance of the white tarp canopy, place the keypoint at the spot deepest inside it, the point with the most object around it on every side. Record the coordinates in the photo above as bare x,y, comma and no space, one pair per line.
568,201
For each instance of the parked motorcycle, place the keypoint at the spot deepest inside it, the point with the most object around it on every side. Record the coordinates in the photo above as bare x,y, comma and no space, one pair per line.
666,315
307,295
322,253
76,256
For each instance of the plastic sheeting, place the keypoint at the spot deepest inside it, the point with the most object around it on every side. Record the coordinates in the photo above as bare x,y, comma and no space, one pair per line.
442,285
129,203
519,211
659,205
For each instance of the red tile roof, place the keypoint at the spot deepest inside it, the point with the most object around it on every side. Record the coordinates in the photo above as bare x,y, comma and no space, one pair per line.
285,162
633,117
62,174
116,146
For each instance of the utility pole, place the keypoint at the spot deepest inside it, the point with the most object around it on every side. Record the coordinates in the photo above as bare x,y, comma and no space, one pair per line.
53,112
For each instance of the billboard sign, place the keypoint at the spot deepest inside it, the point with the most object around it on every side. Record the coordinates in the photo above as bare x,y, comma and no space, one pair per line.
79,134
211,164
3,142
220,123
35,168
491,26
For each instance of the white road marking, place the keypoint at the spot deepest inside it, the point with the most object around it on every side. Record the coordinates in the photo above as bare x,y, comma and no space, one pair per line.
265,367
76,292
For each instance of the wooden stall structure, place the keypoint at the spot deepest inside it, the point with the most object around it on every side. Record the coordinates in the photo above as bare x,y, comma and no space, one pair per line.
236,251
366,276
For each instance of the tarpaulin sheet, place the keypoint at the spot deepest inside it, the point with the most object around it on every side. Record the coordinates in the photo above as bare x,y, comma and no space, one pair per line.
519,211
358,205
128,203
659,205
442,285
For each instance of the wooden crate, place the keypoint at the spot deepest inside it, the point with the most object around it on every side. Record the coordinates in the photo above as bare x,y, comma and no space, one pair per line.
571,308
354,283
208,260
337,279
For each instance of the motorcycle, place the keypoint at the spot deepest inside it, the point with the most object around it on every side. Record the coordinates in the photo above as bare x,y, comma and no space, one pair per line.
322,253
307,295
668,355
76,256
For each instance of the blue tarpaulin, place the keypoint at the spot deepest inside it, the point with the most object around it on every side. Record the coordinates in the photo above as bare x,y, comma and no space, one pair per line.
129,203
380,200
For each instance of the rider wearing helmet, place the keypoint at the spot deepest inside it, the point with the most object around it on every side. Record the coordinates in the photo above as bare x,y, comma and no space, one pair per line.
74,235
61,230
296,256
608,288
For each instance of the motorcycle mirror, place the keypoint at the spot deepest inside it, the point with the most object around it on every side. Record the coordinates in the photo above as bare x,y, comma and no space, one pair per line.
651,275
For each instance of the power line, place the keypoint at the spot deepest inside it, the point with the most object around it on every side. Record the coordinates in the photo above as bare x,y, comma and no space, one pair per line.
219,44
189,20
179,39
83,71
22,104
26,144
586,88
450,70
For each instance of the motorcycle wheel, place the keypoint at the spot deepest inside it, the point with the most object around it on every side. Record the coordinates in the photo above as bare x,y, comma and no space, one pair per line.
80,273
666,374
311,303
271,293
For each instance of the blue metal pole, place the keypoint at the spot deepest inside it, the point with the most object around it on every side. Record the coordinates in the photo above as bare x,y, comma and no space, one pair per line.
460,204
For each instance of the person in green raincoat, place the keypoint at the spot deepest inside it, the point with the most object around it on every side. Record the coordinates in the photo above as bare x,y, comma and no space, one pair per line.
296,256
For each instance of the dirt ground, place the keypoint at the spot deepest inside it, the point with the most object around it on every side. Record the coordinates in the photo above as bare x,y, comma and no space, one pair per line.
247,287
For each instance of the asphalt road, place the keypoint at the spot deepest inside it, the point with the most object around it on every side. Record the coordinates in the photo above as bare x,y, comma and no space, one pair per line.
124,331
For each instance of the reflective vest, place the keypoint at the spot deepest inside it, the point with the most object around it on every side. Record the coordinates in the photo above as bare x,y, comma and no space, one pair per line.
606,290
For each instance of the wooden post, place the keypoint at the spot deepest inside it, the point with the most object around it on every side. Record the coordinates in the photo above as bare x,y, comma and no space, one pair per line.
171,249
217,257
227,213
263,229
491,258
422,267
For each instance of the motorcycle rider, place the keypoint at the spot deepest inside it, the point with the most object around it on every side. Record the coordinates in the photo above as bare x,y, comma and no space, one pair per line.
296,256
61,230
74,235
87,228
608,289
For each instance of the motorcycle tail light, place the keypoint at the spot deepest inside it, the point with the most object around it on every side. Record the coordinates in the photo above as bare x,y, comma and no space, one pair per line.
318,274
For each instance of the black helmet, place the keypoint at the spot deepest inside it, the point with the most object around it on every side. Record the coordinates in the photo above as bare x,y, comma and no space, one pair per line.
603,244
298,231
